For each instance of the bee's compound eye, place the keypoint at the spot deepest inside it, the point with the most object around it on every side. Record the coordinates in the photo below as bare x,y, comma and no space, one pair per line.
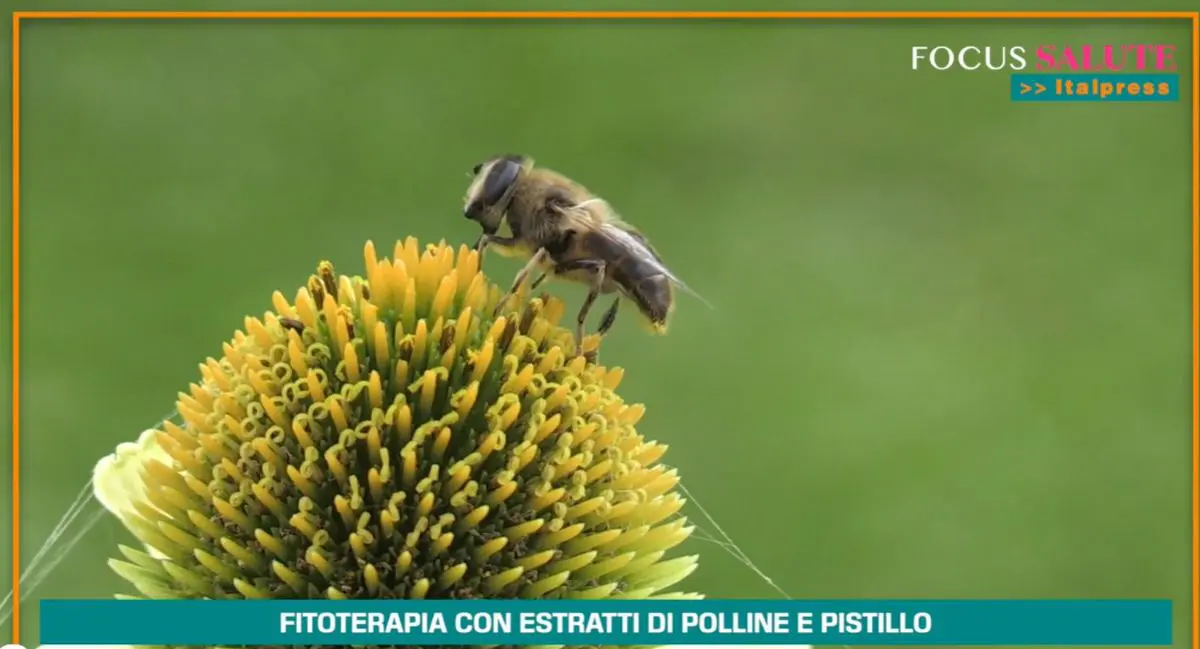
476,168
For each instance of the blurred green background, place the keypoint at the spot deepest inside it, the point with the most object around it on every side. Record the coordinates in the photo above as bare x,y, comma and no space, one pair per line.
950,351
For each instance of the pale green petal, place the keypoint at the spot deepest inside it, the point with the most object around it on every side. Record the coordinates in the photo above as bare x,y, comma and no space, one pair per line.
117,478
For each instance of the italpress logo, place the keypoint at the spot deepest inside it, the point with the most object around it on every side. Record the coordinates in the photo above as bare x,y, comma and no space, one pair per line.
1122,88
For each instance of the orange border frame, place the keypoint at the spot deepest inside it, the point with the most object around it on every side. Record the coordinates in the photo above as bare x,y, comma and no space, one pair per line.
18,16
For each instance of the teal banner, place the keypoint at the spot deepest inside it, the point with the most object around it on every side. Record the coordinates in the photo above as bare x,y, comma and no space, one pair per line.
633,622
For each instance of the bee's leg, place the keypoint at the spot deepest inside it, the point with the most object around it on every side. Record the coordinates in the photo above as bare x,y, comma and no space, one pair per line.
536,260
610,317
485,240
538,282
597,268
481,245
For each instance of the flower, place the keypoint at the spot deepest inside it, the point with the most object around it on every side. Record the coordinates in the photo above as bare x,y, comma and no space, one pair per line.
387,437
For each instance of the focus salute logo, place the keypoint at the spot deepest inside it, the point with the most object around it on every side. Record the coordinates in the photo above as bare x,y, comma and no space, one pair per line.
1121,72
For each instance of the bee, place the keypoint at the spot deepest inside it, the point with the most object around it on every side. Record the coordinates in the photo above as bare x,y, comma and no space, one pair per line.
565,231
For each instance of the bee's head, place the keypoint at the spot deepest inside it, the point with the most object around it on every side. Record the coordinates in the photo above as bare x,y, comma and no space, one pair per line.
491,188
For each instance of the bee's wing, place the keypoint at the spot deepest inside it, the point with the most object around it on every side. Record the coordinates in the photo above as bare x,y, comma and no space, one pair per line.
596,213
637,244
687,289
580,217
589,214
601,215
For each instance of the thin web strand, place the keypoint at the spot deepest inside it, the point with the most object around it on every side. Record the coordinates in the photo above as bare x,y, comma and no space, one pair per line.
77,506
734,549
49,546
35,574
53,550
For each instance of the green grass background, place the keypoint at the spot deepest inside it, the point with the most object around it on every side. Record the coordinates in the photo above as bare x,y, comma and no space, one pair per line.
950,351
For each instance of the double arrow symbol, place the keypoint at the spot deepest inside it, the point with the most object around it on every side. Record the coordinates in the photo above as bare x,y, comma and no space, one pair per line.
1025,88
